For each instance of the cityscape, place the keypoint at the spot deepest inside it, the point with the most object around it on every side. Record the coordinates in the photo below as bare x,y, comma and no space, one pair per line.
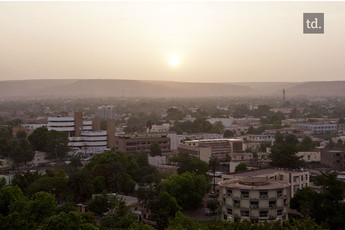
136,115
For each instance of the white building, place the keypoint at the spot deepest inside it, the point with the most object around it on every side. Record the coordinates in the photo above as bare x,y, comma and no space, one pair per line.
159,128
67,124
227,122
260,137
319,128
106,112
89,139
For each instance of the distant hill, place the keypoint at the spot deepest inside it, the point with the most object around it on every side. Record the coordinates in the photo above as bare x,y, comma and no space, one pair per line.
135,88
114,88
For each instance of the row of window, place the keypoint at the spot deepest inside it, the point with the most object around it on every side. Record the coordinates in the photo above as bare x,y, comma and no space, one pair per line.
263,194
245,213
255,204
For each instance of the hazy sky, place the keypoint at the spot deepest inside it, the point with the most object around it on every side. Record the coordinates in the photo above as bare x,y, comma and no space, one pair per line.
181,41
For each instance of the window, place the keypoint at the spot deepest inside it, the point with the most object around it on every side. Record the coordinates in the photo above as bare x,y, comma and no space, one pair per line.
272,204
254,204
229,192
244,213
285,202
279,193
245,194
236,203
279,212
230,211
263,213
295,178
263,194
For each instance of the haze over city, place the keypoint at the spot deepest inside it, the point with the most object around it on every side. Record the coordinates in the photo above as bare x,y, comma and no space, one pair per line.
183,41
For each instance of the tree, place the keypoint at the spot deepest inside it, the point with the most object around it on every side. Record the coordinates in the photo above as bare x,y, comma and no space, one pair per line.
57,143
188,189
67,221
163,209
327,206
241,167
6,147
187,163
38,139
183,222
99,204
218,127
283,152
306,144
140,226
155,149
213,205
214,165
82,185
228,133
21,134
23,152
42,206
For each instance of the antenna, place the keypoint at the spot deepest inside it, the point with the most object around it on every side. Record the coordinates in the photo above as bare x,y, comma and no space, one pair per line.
283,96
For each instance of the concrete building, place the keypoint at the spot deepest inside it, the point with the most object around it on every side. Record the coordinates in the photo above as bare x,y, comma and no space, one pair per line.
254,199
335,159
72,125
297,179
106,112
163,128
260,137
227,122
319,127
204,149
141,142
310,156
177,139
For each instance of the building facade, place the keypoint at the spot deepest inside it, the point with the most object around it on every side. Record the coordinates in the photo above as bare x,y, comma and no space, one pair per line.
254,199
142,142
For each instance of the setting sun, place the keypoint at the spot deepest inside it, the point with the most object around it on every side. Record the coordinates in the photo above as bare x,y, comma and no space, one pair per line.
174,61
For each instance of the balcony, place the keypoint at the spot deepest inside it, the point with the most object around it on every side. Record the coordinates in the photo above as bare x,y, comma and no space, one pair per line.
236,205
254,206
263,196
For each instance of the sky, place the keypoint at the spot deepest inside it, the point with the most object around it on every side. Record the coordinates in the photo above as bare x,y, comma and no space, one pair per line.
171,41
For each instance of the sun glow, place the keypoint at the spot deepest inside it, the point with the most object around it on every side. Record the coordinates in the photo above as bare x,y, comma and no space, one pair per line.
174,61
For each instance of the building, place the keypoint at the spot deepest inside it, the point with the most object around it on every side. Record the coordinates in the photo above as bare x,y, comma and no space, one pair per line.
106,112
204,149
72,125
163,128
319,127
310,156
227,122
84,134
335,159
260,137
177,139
254,199
141,142
297,179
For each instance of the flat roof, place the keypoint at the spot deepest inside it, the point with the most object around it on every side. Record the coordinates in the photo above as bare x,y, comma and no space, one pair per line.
257,172
255,185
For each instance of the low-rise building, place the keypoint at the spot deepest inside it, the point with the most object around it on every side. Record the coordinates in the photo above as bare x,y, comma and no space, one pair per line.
310,156
255,199
335,159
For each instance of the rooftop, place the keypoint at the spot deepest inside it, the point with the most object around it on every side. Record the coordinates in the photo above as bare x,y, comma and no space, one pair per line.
251,183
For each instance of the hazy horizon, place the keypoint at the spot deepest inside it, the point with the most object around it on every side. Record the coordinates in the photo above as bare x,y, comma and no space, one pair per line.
220,42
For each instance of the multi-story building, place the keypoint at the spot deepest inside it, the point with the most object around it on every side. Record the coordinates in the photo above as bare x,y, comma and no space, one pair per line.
84,133
72,125
163,128
298,179
335,159
177,139
204,149
319,127
227,122
255,199
141,142
106,112
310,156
